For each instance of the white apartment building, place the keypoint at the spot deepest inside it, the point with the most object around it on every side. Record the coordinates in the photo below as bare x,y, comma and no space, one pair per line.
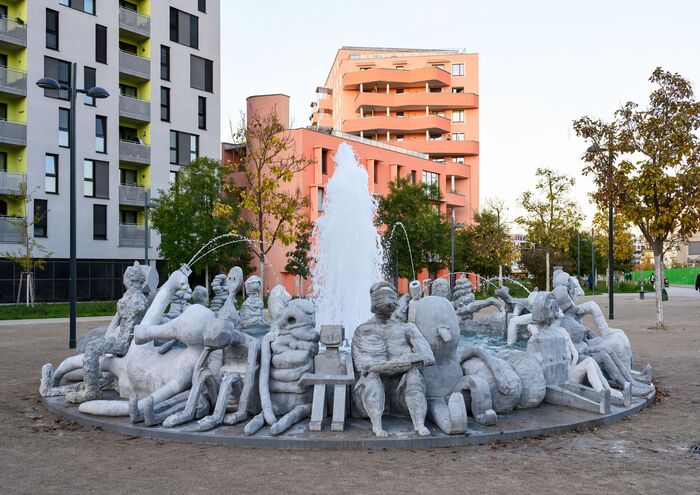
159,61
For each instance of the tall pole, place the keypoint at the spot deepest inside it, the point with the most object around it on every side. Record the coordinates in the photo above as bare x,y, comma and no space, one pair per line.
611,254
146,240
452,255
73,233
593,261
578,254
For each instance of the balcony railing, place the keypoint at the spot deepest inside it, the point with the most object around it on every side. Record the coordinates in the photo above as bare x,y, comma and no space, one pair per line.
13,32
13,133
134,152
11,229
131,235
132,195
134,109
13,82
370,142
11,183
134,66
134,22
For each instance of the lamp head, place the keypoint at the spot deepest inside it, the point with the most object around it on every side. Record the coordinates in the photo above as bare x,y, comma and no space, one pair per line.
48,83
97,92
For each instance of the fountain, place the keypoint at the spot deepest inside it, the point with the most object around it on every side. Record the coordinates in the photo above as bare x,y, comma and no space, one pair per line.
347,252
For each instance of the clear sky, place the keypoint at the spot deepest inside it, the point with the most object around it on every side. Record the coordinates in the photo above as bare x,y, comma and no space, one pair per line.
542,64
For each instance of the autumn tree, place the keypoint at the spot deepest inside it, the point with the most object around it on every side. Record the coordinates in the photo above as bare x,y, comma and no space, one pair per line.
299,259
656,182
270,161
550,215
623,243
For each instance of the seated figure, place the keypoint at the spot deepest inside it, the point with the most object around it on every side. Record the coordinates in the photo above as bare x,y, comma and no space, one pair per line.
465,303
388,355
251,312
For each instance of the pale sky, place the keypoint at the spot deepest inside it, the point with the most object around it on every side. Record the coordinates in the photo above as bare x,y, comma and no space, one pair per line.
542,64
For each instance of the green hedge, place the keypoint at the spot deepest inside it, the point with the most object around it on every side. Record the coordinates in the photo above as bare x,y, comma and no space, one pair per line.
676,276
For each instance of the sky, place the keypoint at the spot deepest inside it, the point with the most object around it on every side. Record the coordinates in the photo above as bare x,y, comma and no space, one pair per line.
542,64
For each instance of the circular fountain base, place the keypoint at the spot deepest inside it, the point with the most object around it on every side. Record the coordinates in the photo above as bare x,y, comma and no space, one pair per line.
543,420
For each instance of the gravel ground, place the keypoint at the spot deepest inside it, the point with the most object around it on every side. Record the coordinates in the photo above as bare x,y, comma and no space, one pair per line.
647,453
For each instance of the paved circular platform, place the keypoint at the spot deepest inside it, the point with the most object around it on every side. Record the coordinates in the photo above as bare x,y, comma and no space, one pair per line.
544,420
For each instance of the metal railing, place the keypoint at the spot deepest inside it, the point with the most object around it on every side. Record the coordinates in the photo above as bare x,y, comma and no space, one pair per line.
13,81
370,142
13,133
11,229
400,53
11,183
13,31
132,195
134,65
131,235
134,108
134,152
134,22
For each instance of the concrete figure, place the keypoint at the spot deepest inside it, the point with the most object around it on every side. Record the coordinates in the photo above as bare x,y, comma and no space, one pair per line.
251,313
218,287
465,303
200,295
287,353
234,281
388,356
406,309
531,376
440,287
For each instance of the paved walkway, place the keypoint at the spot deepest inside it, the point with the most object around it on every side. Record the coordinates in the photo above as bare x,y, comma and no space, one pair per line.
46,321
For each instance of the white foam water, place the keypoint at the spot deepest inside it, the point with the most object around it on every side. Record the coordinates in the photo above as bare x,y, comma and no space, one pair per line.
347,248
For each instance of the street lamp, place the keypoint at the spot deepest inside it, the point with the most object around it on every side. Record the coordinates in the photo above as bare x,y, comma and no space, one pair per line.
611,261
147,204
452,243
96,92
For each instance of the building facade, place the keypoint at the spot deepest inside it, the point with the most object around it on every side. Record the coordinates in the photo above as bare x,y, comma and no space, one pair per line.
159,61
420,100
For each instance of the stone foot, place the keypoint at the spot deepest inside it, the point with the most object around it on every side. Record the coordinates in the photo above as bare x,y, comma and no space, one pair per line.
207,423
422,431
83,395
488,418
134,414
381,433
46,379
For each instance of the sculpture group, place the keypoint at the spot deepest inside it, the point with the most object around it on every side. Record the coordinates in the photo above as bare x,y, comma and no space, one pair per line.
174,358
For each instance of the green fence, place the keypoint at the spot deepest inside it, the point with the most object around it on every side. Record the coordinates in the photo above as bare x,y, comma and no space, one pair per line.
676,276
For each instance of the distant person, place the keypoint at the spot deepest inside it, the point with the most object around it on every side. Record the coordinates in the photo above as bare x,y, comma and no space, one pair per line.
652,280
666,282
697,283
590,282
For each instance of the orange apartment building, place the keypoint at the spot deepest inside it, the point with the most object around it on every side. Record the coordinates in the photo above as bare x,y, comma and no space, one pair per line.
417,154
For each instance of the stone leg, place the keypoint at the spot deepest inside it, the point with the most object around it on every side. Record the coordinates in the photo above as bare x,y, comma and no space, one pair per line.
46,387
339,397
612,365
482,408
217,417
67,365
414,394
590,370
291,418
189,412
155,414
254,425
372,398
318,407
449,415
91,368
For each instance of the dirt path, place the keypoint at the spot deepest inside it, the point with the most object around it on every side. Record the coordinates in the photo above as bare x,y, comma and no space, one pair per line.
647,453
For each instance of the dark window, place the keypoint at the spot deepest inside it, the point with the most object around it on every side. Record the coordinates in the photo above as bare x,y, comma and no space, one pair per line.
184,28
51,174
96,179
89,81
202,6
99,222
3,111
40,218
201,73
130,48
3,161
3,10
64,127
165,62
127,90
184,148
128,5
101,44
128,134
128,177
87,6
61,71
202,112
172,178
324,161
413,176
51,29
101,134
127,217
165,104
173,147
3,208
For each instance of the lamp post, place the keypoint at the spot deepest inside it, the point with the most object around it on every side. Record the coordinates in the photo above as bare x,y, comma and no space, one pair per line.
96,92
593,261
147,204
452,246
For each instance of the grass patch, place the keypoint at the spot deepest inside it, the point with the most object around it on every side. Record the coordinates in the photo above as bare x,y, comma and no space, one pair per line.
56,310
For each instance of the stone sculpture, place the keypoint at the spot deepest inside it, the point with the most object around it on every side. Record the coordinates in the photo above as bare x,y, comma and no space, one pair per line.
251,313
234,281
287,353
200,295
440,287
179,302
465,302
218,287
406,309
388,356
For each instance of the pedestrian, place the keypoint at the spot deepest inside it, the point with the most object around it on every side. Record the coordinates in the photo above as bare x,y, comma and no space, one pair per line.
590,282
697,283
652,280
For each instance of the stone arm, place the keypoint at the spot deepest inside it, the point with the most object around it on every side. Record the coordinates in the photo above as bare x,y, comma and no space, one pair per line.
420,345
491,363
145,333
592,308
401,311
533,329
512,332
113,325
264,378
572,350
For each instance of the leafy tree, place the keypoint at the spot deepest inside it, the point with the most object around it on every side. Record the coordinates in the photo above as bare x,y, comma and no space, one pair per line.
550,214
31,255
299,259
269,162
414,206
534,261
657,184
582,240
185,220
623,244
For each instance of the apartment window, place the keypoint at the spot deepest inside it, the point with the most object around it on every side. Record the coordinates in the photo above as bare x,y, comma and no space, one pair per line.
101,134
96,179
458,159
87,6
61,71
430,178
127,90
101,44
99,222
3,111
184,148
413,176
40,218
51,174
399,91
458,90
319,199
51,29
201,73
89,81
399,114
128,134
172,177
173,147
399,137
439,66
457,69
202,6
400,67
202,112
194,147
435,90
165,62
129,48
165,104
439,160
3,208
128,5
64,127
128,177
3,161
434,137
457,115
324,161
127,217
457,136
184,28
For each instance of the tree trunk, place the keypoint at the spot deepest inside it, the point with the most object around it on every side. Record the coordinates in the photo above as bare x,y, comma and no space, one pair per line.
206,278
500,275
262,273
547,266
659,274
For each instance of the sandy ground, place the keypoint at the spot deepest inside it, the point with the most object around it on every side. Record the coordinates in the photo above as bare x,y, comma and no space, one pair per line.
648,453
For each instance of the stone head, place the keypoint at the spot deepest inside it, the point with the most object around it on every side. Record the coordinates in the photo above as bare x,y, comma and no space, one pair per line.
297,313
134,277
560,277
234,280
178,281
384,299
574,288
545,309
200,295
218,333
463,287
440,287
253,286
279,297
414,289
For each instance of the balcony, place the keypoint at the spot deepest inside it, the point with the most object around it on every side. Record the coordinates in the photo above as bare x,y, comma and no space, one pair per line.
13,34
132,195
11,183
397,78
404,125
11,229
455,198
134,67
13,134
134,109
416,101
132,152
134,24
13,83
131,235
442,147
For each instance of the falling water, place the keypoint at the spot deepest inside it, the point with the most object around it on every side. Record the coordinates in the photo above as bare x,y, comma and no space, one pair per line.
347,251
